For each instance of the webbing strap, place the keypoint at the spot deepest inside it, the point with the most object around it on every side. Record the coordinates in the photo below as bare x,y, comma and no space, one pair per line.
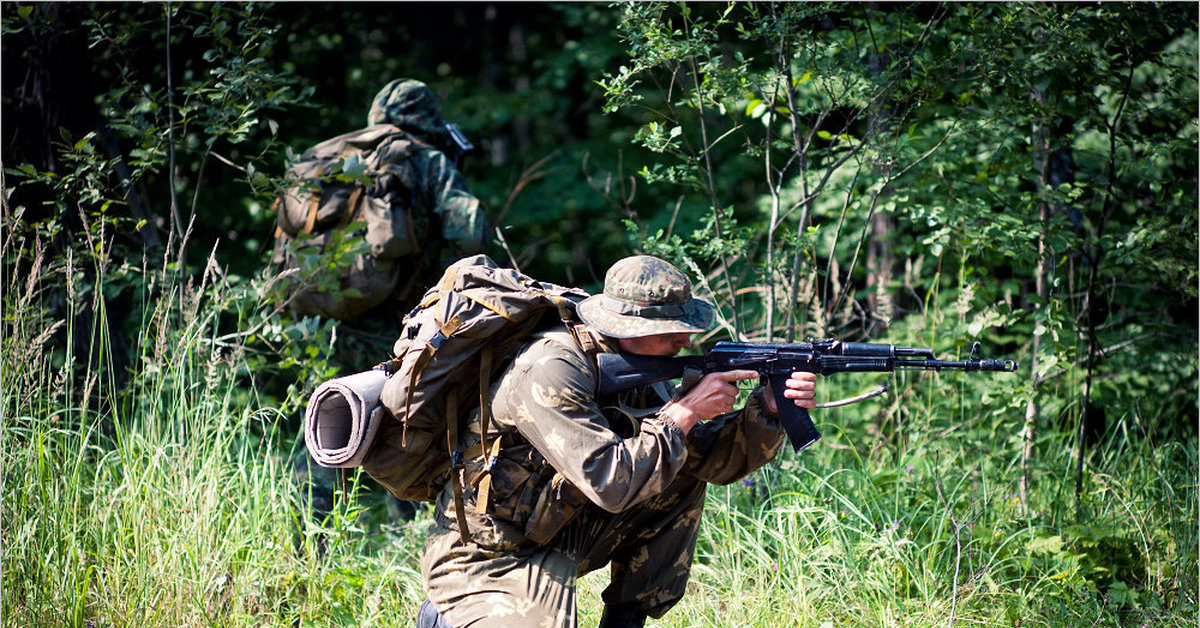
313,206
483,481
456,465
448,328
352,208
485,407
281,218
583,339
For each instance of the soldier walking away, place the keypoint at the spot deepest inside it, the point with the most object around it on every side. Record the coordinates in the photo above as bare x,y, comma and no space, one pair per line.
576,482
440,188
447,222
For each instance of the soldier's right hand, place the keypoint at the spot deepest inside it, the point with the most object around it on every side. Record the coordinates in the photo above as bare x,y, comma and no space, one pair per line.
713,396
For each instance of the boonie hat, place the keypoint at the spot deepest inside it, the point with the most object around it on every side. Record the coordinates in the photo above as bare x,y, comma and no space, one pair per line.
410,105
643,296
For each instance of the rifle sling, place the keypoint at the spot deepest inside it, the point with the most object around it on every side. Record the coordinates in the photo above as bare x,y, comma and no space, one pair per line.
855,399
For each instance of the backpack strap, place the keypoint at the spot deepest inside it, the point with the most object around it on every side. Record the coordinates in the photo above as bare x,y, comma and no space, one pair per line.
584,339
353,208
485,404
279,218
483,481
448,328
314,204
457,466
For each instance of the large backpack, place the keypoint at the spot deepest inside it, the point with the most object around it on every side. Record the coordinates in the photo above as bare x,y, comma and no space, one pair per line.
364,176
458,337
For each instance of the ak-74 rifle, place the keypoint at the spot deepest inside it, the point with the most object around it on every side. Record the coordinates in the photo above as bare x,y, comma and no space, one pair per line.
775,362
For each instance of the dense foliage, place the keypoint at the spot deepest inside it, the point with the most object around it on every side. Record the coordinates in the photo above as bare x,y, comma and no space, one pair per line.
1023,175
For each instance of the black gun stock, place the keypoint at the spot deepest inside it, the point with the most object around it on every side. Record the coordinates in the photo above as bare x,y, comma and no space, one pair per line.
775,362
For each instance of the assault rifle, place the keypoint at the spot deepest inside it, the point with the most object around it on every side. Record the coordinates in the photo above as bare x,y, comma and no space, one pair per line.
776,361
458,143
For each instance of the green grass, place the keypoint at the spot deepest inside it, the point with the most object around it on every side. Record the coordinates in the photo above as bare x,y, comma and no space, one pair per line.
167,500
876,546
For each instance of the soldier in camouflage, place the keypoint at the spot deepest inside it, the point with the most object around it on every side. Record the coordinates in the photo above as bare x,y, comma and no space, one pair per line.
441,190
413,107
580,482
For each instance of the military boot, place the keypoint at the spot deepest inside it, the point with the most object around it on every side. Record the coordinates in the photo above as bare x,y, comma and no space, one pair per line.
429,617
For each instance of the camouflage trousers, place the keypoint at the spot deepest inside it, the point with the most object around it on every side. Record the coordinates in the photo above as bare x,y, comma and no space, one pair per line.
496,580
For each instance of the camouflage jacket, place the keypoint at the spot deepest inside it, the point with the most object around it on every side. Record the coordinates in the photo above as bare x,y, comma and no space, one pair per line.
564,452
412,106
443,190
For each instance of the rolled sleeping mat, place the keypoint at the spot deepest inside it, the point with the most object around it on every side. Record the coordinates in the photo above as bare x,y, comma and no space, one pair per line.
342,418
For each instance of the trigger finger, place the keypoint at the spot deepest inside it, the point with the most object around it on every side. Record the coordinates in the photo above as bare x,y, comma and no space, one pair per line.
742,374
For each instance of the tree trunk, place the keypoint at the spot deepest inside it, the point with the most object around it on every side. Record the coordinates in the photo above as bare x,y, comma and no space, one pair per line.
879,274
1041,158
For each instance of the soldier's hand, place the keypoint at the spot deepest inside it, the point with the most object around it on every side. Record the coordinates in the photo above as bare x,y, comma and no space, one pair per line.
801,388
713,396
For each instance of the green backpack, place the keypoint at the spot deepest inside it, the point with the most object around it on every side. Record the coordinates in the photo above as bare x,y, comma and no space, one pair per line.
463,332
363,178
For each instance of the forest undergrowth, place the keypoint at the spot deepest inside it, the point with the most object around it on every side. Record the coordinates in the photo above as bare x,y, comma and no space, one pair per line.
164,497
1022,175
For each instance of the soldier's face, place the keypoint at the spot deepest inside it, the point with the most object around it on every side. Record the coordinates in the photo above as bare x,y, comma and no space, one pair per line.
659,344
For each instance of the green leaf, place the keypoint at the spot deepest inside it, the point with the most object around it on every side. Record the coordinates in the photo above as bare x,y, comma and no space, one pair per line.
1046,545
354,167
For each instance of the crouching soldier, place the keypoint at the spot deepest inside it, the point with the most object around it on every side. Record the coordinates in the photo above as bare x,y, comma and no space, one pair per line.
578,482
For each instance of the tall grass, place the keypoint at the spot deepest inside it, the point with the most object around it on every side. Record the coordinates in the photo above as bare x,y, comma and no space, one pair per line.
167,500
165,497
932,533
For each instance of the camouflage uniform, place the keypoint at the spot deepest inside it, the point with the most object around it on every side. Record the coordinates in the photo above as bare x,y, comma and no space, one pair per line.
582,482
412,106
